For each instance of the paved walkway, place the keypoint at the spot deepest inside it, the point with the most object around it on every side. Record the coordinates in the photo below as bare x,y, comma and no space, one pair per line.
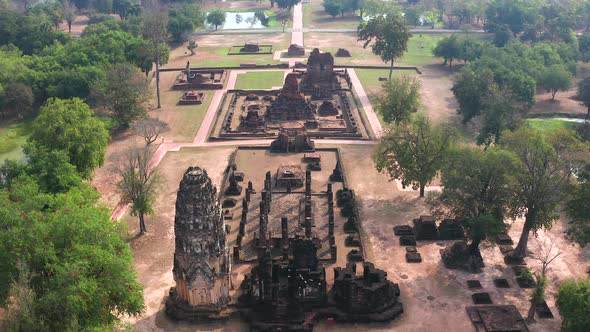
297,30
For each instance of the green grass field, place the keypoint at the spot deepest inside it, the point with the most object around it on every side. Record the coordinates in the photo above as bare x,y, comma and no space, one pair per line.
259,80
549,125
420,48
12,137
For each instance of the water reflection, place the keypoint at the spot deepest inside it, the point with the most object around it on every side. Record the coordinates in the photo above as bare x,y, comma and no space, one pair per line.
244,20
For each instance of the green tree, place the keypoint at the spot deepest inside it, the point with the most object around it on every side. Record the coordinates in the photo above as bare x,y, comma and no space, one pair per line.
470,87
500,111
332,7
138,182
81,269
475,191
183,21
16,99
288,4
399,98
124,93
584,94
448,48
216,17
514,14
573,305
413,152
51,169
579,214
388,36
69,126
155,30
431,17
555,79
541,178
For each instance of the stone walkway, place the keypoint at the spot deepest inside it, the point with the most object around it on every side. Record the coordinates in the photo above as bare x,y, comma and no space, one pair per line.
200,139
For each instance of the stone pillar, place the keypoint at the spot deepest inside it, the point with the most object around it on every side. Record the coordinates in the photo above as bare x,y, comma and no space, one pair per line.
331,222
265,198
308,182
236,254
307,208
269,186
333,252
285,237
250,187
242,229
262,230
308,223
239,241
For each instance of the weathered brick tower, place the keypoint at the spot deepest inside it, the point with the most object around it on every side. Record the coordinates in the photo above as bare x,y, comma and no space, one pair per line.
201,260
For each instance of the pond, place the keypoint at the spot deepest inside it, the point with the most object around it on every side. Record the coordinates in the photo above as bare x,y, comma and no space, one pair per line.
243,20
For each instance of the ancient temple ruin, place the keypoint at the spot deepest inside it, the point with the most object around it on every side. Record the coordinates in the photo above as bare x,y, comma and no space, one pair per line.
201,260
318,102
320,78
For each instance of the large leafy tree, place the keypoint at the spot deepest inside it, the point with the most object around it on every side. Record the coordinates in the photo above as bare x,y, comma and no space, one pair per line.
184,20
556,78
514,14
470,87
399,98
574,307
475,192
216,18
124,93
413,152
500,111
545,169
387,35
448,48
63,261
69,126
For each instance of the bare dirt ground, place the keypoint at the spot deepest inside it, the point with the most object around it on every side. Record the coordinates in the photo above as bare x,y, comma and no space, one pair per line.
78,26
565,102
434,297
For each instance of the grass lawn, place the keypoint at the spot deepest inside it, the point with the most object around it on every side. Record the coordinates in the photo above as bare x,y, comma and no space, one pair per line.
420,48
549,125
12,136
259,80
419,52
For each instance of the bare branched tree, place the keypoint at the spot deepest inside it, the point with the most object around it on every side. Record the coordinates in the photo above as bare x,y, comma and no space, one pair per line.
545,252
138,182
150,129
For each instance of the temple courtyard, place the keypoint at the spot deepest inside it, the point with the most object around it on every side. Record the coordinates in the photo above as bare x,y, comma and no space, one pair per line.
204,134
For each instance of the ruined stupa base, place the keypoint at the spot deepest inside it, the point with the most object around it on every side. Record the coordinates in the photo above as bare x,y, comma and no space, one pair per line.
178,309
460,257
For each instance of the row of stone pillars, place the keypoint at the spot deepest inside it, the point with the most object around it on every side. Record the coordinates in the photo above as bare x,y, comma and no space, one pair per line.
263,218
